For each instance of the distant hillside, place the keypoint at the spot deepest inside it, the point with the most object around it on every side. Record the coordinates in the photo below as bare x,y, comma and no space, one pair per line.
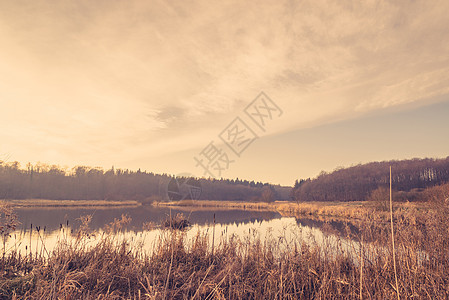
43,181
358,182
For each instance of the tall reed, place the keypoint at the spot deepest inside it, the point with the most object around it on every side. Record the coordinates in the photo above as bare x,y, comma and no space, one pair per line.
178,267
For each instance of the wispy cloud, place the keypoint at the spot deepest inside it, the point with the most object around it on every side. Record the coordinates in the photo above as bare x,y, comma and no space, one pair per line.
85,78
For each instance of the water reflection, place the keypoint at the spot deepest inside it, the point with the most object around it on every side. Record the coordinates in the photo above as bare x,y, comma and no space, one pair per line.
337,227
243,227
282,233
52,218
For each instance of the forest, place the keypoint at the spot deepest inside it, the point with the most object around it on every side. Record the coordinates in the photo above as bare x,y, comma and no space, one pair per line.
355,183
42,181
360,182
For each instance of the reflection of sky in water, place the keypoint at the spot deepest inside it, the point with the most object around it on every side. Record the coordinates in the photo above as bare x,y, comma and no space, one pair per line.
52,217
280,233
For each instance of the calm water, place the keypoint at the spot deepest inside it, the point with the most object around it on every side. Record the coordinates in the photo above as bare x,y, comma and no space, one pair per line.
285,232
270,228
52,218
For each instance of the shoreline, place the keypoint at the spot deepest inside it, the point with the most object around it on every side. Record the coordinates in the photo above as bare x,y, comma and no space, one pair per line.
356,210
359,210
217,204
69,203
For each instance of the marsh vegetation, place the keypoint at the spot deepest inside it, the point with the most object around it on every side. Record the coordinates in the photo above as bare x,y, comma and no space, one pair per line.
353,265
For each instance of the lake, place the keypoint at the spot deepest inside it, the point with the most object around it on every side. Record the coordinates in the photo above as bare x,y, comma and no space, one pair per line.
53,217
58,223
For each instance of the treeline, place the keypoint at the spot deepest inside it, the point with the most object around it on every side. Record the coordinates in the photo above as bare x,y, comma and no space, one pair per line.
359,182
43,181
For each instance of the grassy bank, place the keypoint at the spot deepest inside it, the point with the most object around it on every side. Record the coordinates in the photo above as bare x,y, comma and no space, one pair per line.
69,203
352,210
340,210
218,204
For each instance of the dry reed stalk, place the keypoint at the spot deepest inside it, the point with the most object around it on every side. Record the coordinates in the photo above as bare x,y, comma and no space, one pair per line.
213,238
171,259
361,268
392,237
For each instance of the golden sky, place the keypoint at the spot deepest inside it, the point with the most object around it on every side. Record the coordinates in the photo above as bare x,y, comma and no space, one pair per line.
149,84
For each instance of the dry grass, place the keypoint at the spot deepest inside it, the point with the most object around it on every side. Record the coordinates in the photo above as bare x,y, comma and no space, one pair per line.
241,268
348,210
355,210
219,204
69,203
322,209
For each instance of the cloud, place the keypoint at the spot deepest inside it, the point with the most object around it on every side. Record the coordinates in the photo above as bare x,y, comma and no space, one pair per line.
85,78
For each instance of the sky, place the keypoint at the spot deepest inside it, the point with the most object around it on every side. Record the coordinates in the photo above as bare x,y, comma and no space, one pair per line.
155,84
